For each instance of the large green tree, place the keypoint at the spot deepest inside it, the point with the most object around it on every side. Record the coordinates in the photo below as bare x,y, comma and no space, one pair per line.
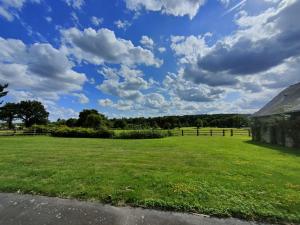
91,118
32,112
2,91
8,113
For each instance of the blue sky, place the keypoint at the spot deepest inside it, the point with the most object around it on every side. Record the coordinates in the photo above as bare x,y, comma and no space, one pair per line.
130,58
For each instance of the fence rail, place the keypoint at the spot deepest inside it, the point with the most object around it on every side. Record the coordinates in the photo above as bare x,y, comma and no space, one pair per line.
176,132
21,133
213,132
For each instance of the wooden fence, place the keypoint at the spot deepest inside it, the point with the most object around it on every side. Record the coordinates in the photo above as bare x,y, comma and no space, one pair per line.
20,133
175,132
212,132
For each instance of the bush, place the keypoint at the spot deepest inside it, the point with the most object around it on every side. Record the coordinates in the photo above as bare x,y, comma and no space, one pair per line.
82,133
145,134
39,129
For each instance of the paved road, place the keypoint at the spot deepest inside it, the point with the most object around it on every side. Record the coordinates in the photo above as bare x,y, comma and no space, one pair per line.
35,210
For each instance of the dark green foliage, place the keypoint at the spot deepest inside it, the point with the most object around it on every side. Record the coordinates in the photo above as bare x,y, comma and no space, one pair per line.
145,134
95,121
122,124
72,122
40,129
82,133
60,122
170,122
199,123
32,112
91,118
8,113
2,91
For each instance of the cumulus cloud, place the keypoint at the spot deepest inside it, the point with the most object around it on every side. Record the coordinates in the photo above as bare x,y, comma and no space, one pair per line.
185,90
122,24
162,49
262,42
102,46
9,9
77,4
40,68
147,42
170,7
82,98
96,20
125,82
245,56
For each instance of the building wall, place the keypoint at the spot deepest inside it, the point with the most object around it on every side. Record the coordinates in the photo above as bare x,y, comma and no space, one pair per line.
279,130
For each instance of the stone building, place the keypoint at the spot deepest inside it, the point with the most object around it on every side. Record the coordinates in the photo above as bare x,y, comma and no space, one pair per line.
278,122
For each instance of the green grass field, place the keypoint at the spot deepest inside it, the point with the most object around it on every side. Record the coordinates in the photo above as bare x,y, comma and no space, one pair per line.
221,176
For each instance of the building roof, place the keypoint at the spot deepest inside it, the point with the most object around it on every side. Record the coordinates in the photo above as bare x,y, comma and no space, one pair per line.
288,101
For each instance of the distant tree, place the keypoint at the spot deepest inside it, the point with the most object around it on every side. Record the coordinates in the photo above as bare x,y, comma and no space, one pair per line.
2,91
83,116
167,125
94,121
121,123
8,113
32,112
91,118
60,122
72,122
199,123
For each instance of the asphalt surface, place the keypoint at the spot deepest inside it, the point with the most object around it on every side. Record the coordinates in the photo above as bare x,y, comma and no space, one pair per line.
36,210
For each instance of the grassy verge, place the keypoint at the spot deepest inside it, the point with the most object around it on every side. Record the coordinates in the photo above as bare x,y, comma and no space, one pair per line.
221,176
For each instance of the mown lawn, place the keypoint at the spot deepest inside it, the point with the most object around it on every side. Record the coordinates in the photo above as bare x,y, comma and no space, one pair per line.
222,176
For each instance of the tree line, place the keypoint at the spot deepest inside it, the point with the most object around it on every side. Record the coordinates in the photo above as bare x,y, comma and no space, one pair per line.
33,112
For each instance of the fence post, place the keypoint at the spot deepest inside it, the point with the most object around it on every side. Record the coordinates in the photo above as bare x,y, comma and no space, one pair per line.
231,132
223,132
197,131
182,132
211,133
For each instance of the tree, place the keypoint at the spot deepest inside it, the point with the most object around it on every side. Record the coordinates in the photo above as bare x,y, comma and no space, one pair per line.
2,92
8,113
83,116
120,123
199,123
89,116
94,121
32,112
72,122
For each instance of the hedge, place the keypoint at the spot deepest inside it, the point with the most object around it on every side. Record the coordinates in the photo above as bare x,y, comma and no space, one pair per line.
82,133
145,134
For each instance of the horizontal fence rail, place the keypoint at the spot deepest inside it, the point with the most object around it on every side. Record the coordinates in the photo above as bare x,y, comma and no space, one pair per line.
212,132
174,132
21,133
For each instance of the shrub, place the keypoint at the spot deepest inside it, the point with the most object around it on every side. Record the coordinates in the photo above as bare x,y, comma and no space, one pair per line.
145,134
82,133
40,129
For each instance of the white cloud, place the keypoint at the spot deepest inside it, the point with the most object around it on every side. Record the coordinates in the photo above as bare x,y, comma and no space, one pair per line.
77,4
190,48
82,98
122,24
162,49
48,19
105,102
9,8
38,68
170,7
102,46
147,42
96,20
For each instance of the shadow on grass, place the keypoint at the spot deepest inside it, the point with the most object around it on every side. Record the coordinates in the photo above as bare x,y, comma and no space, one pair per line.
285,150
